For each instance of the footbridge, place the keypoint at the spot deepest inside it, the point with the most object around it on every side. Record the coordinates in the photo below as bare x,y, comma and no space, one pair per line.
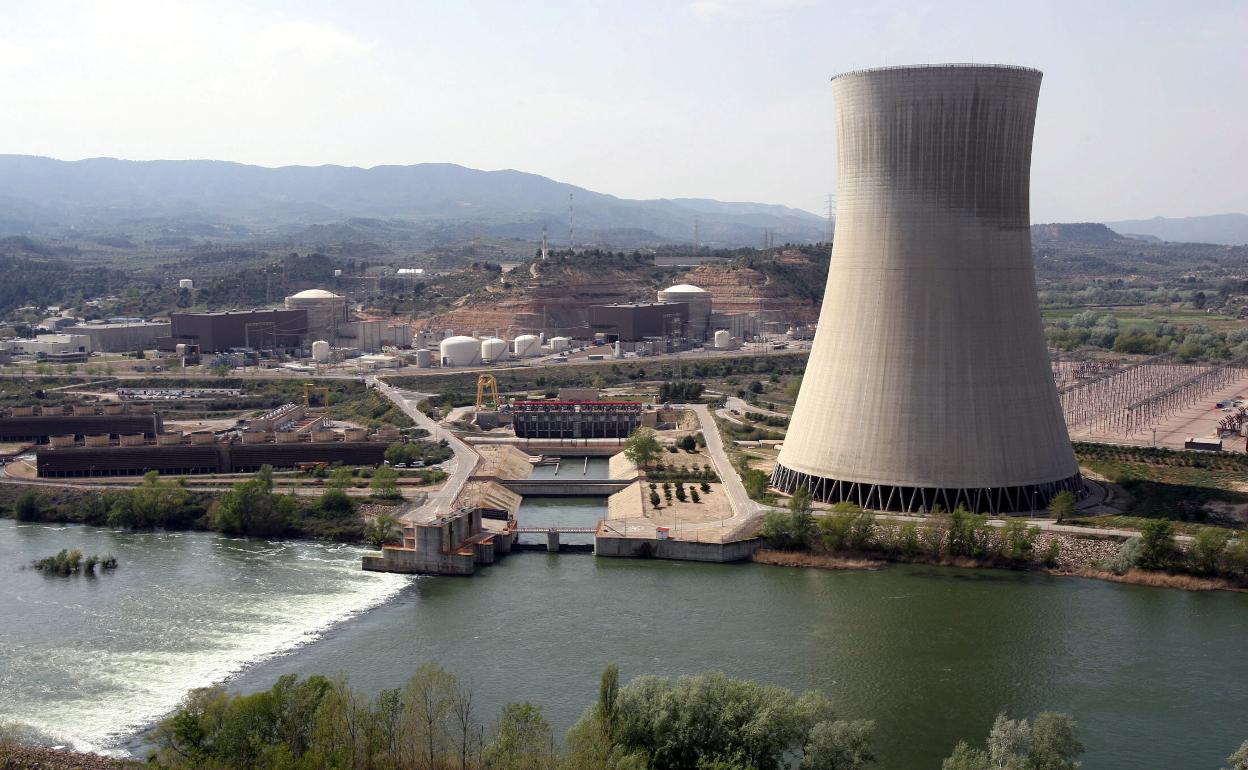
572,487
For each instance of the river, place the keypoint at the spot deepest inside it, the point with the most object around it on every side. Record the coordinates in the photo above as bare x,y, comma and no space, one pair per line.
1156,678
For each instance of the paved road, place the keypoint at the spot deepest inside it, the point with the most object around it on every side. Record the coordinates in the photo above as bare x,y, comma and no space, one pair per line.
743,508
465,461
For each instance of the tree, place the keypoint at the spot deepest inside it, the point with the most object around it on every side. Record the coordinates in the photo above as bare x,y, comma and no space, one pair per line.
382,530
385,483
1062,505
1157,545
688,443
680,492
251,508
28,506
1239,760
428,699
694,496
1047,744
792,529
522,741
705,487
839,746
654,499
693,721
340,478
1208,550
642,447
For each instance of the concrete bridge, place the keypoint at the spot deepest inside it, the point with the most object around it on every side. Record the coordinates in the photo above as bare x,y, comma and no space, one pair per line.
572,487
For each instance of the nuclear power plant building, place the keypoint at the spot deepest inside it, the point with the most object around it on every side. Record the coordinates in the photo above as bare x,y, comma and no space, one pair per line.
928,383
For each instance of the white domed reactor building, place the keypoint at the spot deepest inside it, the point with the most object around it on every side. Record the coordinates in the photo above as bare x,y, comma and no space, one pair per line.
928,383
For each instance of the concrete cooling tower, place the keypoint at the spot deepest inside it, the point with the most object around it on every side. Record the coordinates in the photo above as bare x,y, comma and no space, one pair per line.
929,383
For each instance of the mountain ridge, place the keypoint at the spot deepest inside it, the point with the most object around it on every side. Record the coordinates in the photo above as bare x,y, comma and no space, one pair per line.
46,193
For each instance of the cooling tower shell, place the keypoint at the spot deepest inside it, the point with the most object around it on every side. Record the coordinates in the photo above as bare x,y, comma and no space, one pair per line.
928,381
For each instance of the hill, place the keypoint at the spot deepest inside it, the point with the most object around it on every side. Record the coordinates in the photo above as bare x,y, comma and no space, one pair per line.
1226,229
427,204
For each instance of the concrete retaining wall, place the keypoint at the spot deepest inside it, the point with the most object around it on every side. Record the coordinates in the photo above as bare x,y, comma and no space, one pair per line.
678,550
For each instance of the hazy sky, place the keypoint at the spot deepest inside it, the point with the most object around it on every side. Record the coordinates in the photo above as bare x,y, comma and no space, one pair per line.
1143,110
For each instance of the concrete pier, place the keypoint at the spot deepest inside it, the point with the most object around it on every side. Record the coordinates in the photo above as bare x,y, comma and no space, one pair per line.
552,540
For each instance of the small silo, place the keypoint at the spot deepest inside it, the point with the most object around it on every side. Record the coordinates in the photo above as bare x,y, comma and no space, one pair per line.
723,340
493,349
560,344
526,345
460,351
320,352
699,301
424,358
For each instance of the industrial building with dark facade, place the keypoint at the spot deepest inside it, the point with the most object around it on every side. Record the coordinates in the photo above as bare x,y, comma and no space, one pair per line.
636,322
196,458
575,419
254,329
30,424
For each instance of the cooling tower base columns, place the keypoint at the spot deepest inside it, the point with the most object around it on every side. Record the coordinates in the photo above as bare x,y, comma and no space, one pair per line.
882,497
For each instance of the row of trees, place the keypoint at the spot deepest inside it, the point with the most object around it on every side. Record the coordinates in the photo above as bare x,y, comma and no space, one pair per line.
249,508
433,722
1192,343
958,534
704,722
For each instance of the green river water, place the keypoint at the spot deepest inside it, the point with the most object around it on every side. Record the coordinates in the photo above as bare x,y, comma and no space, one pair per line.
1157,678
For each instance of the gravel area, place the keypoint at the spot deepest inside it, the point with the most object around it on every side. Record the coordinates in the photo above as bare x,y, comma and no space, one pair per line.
20,757
1078,552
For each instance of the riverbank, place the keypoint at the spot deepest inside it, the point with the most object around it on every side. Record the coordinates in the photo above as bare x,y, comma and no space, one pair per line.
16,756
1078,557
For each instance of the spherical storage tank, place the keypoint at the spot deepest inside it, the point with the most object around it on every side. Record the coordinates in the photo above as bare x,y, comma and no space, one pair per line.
493,349
699,301
320,351
460,351
526,345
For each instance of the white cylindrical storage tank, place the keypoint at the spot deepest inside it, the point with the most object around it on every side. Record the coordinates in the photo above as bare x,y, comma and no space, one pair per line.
186,283
320,352
560,344
460,351
526,345
424,358
493,349
179,349
723,340
699,301
619,349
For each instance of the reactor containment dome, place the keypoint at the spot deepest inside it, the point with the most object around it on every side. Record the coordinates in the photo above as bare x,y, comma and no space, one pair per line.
928,383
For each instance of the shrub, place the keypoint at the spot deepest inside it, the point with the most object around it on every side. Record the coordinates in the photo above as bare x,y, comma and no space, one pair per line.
1157,546
1127,558
28,506
1208,549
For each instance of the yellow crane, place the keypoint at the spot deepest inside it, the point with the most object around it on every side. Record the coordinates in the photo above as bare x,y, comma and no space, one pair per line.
309,388
486,382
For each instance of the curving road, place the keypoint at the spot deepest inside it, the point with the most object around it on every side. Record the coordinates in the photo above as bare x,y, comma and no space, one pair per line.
465,461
